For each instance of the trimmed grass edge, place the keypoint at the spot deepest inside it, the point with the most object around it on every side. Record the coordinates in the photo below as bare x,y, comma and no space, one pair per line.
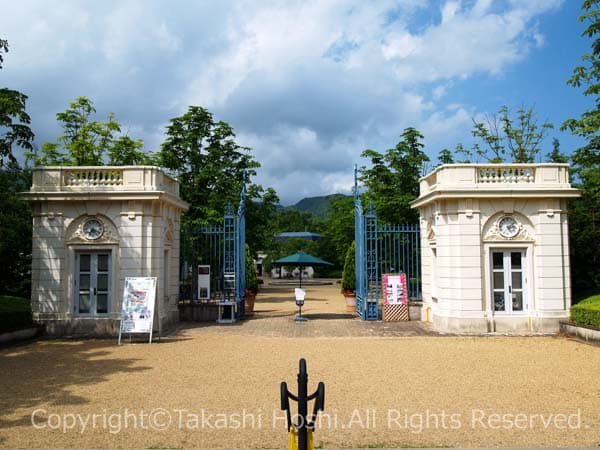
587,312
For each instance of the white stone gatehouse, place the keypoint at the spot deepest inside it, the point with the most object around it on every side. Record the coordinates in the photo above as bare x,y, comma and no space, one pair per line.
92,228
495,247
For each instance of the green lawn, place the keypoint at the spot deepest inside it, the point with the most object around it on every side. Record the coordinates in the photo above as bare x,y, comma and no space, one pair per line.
15,313
587,311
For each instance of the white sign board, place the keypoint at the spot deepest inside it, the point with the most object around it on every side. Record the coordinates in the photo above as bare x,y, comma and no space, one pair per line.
203,282
300,294
137,312
394,289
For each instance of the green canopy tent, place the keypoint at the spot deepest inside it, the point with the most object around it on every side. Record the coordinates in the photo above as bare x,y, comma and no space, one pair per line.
301,260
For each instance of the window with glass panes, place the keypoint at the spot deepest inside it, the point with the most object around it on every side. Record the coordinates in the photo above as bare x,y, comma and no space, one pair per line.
508,281
92,283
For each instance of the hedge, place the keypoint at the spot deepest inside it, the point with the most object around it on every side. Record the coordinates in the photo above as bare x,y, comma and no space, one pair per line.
15,313
587,312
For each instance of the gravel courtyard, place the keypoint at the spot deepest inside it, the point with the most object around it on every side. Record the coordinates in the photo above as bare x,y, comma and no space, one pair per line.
218,386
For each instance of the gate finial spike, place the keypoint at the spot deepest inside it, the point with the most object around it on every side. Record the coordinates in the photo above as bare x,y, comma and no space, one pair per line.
355,181
371,208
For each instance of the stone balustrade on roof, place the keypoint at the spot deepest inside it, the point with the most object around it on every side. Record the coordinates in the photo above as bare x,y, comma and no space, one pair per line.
494,181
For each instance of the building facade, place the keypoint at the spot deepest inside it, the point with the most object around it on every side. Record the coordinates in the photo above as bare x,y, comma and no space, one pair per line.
92,228
495,248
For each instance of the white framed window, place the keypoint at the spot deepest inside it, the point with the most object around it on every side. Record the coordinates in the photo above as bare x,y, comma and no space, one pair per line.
509,281
92,282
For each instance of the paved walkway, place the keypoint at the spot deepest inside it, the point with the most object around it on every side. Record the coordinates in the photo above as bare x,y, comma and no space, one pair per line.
326,314
324,309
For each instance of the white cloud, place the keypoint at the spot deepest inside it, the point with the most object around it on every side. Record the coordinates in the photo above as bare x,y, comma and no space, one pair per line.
307,84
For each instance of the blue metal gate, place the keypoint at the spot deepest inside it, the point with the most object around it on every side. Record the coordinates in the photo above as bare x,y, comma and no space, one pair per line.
382,248
223,248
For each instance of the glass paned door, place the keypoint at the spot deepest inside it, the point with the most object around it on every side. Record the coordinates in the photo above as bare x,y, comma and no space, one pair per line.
92,283
508,281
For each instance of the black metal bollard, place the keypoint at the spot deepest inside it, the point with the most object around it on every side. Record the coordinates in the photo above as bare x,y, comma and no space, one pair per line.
304,424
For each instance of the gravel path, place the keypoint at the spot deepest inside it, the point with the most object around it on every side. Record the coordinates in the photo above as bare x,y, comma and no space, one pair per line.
219,387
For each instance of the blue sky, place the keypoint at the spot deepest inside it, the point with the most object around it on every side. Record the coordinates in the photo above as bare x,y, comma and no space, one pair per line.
307,84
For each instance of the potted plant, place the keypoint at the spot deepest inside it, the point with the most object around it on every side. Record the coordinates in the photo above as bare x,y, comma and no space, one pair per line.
251,282
349,278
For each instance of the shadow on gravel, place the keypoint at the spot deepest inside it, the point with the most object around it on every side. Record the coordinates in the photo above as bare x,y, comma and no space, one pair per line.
45,371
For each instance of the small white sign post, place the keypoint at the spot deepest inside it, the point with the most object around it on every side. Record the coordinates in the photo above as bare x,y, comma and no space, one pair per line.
137,312
300,294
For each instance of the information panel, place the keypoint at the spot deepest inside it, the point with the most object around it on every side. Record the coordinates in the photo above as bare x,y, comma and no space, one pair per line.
394,289
137,312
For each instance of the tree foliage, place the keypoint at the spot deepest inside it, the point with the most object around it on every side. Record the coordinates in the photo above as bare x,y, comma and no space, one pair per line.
392,180
338,230
14,120
87,142
261,213
3,48
445,157
556,156
349,274
251,279
503,138
584,217
209,164
587,75
15,231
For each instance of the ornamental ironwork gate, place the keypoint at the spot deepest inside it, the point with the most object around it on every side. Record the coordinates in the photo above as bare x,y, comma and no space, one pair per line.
382,248
222,248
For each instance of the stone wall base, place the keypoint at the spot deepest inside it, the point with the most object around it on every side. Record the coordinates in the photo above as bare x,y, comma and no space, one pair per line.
506,324
198,312
460,324
583,332
99,327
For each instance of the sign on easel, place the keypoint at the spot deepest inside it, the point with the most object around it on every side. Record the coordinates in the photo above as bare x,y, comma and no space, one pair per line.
394,289
137,312
395,298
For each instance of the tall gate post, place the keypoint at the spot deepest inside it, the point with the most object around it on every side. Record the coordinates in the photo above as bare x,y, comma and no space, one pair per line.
360,263
227,304
240,253
373,288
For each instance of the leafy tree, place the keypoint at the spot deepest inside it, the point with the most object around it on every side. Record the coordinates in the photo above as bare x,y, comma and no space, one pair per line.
15,231
503,136
84,141
338,230
261,212
290,219
14,120
349,274
393,178
203,154
445,157
467,154
15,220
3,48
584,212
125,151
88,142
587,76
251,279
556,156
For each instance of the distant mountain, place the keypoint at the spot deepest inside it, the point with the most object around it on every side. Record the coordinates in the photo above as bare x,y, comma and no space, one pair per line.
318,206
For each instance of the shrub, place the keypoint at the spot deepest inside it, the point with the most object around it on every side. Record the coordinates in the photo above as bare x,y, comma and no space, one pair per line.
587,312
349,273
251,280
15,313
